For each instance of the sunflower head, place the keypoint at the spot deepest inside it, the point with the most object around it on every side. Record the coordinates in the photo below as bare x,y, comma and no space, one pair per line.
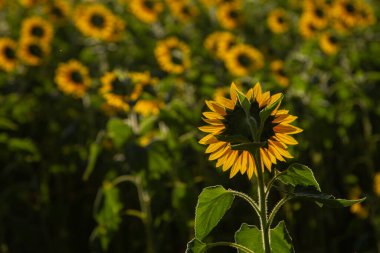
244,125
37,28
32,51
329,43
278,21
244,59
8,57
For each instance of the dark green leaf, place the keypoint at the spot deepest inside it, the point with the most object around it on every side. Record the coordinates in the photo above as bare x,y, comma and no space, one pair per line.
323,198
280,240
266,112
196,246
118,131
213,203
298,174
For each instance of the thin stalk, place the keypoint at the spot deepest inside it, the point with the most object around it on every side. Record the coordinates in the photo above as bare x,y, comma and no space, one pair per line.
262,203
270,184
276,209
229,244
248,199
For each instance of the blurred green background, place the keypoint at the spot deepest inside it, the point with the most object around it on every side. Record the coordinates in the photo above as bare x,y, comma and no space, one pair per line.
81,173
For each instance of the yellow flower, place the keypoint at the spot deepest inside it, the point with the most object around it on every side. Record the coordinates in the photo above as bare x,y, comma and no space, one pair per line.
8,58
148,107
219,43
358,209
365,15
278,21
244,59
229,15
73,78
347,11
376,184
146,10
96,21
307,26
31,3
172,55
32,51
182,10
227,119
277,68
37,28
58,10
329,43
318,12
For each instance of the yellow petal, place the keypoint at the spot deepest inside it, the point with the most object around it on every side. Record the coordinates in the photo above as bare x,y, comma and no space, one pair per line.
213,115
208,139
233,90
228,103
287,129
230,160
219,153
214,147
278,146
212,121
251,166
212,129
244,161
215,107
287,139
266,160
236,167
284,118
249,94
274,152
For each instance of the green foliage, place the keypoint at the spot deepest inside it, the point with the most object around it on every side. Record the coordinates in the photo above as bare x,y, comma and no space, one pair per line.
118,131
298,174
213,203
196,246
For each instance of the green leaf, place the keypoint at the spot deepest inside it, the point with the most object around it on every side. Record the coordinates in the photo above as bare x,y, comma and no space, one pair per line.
280,240
93,155
251,237
243,101
266,112
7,124
118,131
213,203
196,246
298,174
322,199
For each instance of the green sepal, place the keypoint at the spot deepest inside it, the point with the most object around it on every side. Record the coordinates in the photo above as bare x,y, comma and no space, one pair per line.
321,199
243,101
298,174
196,246
213,203
251,237
267,111
250,146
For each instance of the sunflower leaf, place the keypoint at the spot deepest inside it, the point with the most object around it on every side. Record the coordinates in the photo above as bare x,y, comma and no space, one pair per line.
321,199
196,246
267,111
251,237
298,174
213,203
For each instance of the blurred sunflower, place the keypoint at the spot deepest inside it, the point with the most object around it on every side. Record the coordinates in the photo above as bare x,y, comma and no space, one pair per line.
117,30
182,10
58,10
73,78
227,119
358,208
277,68
366,16
94,20
146,11
307,26
229,15
329,43
278,21
318,12
32,51
347,11
172,55
148,107
376,184
8,58
244,59
37,28
219,43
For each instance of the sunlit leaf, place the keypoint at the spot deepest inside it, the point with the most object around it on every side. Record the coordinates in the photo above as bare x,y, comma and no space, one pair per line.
298,174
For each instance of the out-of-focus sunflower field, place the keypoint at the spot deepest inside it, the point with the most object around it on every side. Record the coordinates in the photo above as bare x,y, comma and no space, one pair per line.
100,104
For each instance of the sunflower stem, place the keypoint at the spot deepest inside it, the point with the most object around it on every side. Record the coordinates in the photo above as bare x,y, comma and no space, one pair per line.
277,208
262,203
229,244
248,199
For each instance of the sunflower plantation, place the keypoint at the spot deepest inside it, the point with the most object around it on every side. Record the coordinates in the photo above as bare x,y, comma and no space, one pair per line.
189,126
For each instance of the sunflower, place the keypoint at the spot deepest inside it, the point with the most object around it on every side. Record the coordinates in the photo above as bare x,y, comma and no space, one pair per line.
278,21
366,16
347,11
94,20
229,15
277,68
37,28
227,120
376,184
148,107
182,10
122,90
244,59
58,10
8,58
307,26
146,10
32,51
172,55
319,12
358,208
73,78
329,43
117,30
219,43
31,3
